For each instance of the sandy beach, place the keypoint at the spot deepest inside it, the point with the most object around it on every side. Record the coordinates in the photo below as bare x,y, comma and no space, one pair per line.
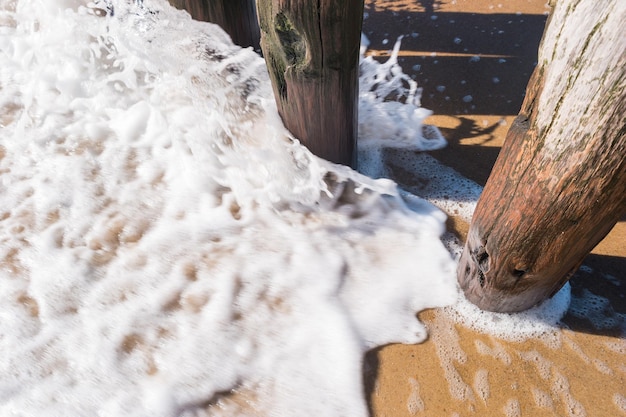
169,249
473,59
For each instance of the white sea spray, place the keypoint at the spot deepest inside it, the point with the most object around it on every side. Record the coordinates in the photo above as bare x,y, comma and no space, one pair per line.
390,112
165,243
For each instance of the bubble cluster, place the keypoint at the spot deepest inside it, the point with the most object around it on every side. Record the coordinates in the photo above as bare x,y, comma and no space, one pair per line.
167,247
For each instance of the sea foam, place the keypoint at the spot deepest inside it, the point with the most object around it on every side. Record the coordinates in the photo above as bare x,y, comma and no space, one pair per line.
167,248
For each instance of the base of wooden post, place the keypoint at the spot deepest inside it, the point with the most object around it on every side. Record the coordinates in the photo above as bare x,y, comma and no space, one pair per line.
559,183
237,17
312,53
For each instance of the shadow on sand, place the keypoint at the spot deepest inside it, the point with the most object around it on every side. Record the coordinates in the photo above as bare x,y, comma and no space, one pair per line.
466,63
597,292
479,64
598,297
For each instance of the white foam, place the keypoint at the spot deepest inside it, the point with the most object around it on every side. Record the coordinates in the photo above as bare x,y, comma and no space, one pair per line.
542,399
543,365
448,348
481,384
390,113
440,185
598,310
620,402
561,388
456,195
497,351
415,403
165,244
512,408
537,321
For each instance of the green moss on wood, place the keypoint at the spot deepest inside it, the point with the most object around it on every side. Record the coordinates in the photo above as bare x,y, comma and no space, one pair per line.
293,44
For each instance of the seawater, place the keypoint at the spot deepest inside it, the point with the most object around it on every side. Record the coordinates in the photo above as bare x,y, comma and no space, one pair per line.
166,241
168,248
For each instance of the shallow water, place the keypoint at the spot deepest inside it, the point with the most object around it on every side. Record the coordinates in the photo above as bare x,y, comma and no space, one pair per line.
168,249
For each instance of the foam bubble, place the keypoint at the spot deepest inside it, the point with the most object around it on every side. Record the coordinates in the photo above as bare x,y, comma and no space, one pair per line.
561,388
389,107
512,408
598,310
602,367
449,351
497,351
415,403
542,399
481,384
441,185
168,248
534,322
620,402
543,365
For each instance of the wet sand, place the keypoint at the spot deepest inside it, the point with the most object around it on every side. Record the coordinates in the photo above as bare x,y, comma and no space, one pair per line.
473,60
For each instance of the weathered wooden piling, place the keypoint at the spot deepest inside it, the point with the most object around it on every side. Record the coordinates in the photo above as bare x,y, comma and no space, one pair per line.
312,54
559,183
237,17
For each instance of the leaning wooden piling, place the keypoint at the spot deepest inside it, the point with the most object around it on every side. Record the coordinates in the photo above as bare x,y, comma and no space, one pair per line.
559,184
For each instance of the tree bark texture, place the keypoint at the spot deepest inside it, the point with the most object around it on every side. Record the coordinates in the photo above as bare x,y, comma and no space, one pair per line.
312,52
237,17
559,183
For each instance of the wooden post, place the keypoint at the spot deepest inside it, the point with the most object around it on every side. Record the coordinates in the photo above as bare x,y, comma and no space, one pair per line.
237,17
559,184
312,53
